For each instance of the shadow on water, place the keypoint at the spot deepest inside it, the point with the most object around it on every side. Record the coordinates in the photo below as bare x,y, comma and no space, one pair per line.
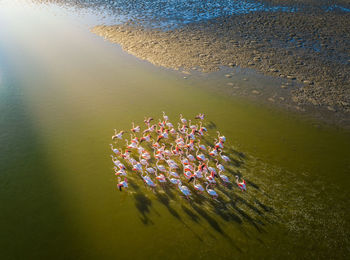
232,206
143,204
33,220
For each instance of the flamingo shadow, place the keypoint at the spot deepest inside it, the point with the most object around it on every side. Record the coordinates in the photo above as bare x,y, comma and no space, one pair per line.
143,204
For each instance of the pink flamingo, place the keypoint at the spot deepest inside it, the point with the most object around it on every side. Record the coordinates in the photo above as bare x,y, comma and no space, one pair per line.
241,184
147,121
146,138
202,129
201,156
122,184
201,146
221,138
131,145
200,116
198,187
135,129
161,178
117,135
213,152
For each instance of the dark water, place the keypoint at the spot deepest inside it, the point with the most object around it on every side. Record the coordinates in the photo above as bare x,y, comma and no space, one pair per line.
164,13
169,14
62,92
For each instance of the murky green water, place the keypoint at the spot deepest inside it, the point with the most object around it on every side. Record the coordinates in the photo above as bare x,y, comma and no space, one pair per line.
62,92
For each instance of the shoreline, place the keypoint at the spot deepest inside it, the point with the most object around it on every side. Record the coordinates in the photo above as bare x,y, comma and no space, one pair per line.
282,45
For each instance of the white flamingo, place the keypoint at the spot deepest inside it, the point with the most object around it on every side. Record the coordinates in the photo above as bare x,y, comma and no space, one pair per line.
137,167
148,181
115,150
166,118
211,192
219,166
183,120
117,135
143,161
184,190
160,167
174,174
197,187
198,174
151,170
224,178
193,127
224,157
174,181
190,156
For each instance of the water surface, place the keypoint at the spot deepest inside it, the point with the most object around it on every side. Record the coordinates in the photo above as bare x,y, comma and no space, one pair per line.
62,92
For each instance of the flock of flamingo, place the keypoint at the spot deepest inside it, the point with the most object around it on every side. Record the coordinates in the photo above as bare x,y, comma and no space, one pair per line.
178,156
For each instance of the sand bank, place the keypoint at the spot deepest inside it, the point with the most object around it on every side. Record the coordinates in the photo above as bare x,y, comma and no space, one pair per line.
311,48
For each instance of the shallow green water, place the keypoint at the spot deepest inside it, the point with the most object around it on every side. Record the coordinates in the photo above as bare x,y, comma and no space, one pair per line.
62,92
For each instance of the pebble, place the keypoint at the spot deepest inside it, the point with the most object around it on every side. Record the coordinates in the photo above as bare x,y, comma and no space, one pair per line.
313,101
255,92
308,82
331,108
230,84
228,76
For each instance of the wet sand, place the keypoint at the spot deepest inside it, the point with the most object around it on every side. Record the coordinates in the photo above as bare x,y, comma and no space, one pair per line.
308,48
